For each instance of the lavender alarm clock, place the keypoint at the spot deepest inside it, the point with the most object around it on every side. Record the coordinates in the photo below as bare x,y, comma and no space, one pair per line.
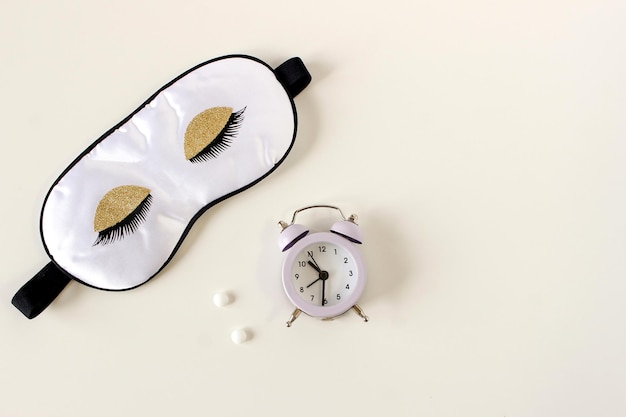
323,273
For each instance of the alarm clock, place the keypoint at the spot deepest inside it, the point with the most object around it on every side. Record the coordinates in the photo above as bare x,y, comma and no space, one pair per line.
323,273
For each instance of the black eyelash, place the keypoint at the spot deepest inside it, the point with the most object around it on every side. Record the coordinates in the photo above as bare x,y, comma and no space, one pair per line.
223,139
127,226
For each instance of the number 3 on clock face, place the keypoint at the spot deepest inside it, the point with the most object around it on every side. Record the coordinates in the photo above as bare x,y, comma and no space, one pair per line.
324,275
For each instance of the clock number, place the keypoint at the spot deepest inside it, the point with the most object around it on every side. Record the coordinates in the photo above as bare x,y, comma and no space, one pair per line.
345,260
301,289
322,248
312,297
301,264
350,273
310,253
335,251
325,302
338,296
347,286
297,276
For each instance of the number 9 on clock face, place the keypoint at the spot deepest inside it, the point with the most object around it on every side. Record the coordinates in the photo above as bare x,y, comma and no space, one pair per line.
324,275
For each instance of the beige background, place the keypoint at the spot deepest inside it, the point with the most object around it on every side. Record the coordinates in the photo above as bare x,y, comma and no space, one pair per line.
481,143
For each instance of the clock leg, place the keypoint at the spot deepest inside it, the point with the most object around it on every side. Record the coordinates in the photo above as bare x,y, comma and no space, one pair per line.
294,316
360,312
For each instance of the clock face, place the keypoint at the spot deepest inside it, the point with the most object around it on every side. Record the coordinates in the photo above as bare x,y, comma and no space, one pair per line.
324,275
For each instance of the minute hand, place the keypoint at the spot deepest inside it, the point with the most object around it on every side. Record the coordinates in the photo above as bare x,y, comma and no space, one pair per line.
324,291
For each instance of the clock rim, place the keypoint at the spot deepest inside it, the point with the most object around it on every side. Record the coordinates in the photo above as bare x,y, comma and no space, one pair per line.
316,310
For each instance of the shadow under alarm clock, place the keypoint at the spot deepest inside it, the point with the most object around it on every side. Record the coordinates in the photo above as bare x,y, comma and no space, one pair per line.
323,273
117,215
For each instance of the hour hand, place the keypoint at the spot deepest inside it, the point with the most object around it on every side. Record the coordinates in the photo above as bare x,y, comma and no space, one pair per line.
317,268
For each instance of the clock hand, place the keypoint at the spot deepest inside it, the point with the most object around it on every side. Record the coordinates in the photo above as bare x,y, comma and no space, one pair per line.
323,276
313,282
314,265
317,268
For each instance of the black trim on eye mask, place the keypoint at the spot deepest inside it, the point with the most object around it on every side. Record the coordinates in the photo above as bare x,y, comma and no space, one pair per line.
37,294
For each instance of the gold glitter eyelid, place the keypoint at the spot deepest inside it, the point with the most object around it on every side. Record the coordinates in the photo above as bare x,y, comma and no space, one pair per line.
204,128
117,205
211,132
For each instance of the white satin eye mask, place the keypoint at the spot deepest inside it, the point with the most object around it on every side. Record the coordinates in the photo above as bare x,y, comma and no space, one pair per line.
119,212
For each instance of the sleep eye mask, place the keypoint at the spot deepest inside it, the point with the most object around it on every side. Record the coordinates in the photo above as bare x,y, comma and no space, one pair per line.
117,215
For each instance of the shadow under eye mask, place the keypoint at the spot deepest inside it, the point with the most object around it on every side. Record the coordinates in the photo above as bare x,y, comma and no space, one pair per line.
117,215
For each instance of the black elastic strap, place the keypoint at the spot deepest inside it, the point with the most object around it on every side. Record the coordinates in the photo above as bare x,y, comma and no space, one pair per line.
40,291
293,75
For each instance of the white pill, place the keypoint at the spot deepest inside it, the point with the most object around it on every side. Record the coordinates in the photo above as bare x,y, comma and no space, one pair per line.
239,336
221,299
